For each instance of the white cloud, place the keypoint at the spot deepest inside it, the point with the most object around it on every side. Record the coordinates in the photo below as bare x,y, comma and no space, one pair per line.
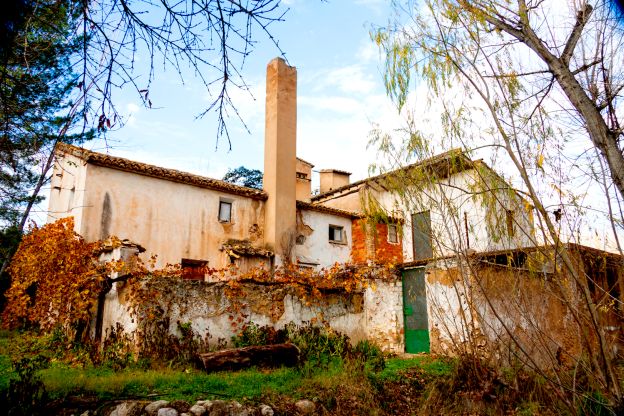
132,110
368,52
350,79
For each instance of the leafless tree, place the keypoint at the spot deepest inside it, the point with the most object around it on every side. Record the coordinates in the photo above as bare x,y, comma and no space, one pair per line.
539,84
209,39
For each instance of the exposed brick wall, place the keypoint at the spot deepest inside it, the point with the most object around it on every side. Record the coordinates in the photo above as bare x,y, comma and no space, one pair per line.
372,244
358,243
385,251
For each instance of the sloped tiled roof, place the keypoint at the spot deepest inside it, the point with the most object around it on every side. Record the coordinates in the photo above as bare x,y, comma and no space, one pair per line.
305,162
126,165
327,210
453,160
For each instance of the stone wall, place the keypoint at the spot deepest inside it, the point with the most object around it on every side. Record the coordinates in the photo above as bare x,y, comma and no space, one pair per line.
218,311
505,313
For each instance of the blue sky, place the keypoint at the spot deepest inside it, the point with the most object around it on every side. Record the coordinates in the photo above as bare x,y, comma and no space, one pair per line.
340,95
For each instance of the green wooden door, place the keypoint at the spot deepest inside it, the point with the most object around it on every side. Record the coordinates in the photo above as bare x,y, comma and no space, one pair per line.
416,325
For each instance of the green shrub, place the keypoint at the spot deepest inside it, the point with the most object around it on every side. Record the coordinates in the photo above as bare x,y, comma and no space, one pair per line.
253,334
26,394
594,404
116,352
370,355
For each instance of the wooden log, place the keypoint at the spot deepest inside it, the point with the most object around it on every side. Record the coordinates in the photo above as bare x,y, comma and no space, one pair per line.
265,356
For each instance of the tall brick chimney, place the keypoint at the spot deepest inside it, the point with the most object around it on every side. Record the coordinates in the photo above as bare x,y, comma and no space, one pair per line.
280,149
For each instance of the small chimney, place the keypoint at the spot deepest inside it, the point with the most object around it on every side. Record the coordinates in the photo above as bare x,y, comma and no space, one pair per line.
280,149
333,179
304,180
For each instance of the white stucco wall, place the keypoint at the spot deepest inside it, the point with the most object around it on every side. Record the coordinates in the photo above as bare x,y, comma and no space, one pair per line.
171,220
316,245
448,308
383,305
217,314
448,201
67,189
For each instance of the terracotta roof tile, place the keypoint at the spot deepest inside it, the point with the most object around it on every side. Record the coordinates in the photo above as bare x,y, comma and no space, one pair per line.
327,210
145,169
436,162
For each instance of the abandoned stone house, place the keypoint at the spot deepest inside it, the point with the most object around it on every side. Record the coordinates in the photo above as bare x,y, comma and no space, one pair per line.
198,221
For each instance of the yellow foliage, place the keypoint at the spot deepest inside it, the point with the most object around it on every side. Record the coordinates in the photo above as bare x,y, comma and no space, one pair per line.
55,278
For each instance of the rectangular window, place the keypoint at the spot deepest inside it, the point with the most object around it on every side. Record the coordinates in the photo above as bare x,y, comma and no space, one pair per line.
193,269
393,236
510,223
336,234
225,211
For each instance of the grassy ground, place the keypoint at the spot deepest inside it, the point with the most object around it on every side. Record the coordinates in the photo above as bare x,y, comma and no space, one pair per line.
327,382
339,384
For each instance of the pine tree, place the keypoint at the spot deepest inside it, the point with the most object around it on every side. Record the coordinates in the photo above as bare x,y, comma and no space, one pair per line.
36,80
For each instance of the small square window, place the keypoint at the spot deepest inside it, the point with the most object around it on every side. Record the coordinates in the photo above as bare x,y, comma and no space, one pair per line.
225,211
336,233
393,236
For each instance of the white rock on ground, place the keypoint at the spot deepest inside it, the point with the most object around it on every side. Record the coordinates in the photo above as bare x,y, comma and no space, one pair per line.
167,411
237,409
205,403
266,410
305,407
197,410
152,408
126,408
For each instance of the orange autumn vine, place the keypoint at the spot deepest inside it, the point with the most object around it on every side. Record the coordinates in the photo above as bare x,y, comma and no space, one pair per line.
55,278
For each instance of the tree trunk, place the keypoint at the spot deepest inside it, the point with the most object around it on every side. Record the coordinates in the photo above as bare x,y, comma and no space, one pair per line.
266,356
602,137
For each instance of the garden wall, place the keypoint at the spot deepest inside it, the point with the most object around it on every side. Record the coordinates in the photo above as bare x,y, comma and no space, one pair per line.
506,313
217,311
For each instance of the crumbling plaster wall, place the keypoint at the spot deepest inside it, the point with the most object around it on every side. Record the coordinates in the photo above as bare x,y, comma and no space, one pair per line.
371,243
448,309
173,220
219,311
531,309
383,304
498,312
451,201
314,226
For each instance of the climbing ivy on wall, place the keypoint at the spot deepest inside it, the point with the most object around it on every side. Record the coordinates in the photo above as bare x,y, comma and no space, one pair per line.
55,278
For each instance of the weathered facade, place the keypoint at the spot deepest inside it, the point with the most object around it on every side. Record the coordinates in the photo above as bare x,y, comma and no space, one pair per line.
443,205
217,310
428,218
516,305
199,221
218,313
